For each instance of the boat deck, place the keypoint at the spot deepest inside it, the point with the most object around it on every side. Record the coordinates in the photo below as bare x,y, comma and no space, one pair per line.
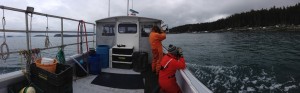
83,85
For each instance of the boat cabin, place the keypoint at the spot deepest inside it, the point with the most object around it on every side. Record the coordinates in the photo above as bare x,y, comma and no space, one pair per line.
125,35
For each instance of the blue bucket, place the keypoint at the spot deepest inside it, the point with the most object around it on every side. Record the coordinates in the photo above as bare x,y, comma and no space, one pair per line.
94,64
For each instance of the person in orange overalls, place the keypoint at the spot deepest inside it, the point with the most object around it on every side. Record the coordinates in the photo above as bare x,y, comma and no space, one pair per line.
170,63
155,39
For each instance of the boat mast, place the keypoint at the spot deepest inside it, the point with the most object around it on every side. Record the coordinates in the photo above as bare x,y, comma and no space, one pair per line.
108,8
127,7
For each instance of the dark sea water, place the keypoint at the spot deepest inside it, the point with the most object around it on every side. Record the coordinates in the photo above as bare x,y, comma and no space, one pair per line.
229,62
243,62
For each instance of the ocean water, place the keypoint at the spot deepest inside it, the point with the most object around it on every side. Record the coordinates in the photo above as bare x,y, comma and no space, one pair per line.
229,62
243,62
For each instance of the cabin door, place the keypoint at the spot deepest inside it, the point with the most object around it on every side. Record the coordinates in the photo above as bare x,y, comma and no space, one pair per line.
128,35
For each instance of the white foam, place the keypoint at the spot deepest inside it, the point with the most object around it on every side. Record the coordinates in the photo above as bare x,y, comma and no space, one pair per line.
274,86
250,89
242,87
233,79
263,72
254,81
246,79
262,86
286,89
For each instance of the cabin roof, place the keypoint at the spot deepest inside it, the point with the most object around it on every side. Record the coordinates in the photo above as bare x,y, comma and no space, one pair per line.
141,19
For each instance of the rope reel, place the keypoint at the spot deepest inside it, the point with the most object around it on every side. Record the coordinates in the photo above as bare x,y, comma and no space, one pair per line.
4,47
47,41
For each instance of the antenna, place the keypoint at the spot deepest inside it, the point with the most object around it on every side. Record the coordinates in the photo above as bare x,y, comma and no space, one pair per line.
108,8
127,7
133,12
131,4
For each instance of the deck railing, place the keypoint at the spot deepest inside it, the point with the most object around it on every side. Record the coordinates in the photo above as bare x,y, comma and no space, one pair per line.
28,31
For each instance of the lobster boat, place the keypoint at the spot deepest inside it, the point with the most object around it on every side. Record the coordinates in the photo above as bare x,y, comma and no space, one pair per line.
118,63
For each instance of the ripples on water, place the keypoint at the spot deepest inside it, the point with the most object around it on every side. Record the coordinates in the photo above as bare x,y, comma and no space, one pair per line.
241,62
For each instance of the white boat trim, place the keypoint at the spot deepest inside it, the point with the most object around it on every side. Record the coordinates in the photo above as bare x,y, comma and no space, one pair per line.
189,84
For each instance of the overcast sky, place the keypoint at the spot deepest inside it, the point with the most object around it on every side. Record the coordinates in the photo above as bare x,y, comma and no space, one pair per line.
172,12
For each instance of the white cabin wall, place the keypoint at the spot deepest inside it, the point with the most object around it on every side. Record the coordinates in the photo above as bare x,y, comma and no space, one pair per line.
105,40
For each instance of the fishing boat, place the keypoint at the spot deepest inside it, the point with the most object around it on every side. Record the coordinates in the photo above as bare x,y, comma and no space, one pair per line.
123,39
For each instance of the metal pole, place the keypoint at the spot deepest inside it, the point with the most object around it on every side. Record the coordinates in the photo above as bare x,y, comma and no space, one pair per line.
94,36
127,7
27,39
62,34
108,8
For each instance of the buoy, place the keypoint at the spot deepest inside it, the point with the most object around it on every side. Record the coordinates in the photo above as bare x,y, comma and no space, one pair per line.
27,90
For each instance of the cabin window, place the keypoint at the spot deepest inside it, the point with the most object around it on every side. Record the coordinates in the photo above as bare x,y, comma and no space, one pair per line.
127,28
146,29
108,30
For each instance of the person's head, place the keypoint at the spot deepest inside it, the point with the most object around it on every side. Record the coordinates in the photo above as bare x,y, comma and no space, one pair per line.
156,29
173,50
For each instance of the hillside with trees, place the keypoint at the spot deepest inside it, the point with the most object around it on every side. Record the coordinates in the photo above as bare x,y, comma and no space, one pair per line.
282,16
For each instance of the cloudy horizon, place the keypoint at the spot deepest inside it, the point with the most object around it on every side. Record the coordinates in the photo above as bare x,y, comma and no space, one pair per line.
172,12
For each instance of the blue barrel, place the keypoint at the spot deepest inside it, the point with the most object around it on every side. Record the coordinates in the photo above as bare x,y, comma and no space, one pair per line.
94,64
103,51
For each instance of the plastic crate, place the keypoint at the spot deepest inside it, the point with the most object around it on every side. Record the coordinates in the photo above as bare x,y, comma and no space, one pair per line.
16,87
58,82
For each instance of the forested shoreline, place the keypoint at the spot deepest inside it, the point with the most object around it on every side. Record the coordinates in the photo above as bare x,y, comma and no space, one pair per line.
273,19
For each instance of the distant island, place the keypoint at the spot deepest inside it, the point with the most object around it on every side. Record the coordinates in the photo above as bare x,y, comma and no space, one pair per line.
66,35
40,36
273,19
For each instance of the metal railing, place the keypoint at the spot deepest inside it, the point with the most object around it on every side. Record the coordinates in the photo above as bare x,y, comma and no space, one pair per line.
28,31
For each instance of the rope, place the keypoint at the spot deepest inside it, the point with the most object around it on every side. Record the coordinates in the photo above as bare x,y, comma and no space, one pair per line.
87,44
30,29
79,48
47,41
4,46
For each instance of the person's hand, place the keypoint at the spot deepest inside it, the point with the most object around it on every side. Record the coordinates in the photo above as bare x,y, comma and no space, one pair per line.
180,51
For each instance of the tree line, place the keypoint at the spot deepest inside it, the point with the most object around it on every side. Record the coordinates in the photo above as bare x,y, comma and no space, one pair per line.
255,18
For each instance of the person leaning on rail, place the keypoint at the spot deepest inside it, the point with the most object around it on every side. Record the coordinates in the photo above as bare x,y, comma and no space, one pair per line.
170,63
156,37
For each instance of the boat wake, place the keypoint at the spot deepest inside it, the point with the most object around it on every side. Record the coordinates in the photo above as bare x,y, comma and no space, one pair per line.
242,79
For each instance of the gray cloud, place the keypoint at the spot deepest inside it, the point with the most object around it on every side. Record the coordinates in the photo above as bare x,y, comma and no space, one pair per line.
173,12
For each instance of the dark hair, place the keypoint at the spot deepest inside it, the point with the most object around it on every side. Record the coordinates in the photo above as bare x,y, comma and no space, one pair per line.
156,29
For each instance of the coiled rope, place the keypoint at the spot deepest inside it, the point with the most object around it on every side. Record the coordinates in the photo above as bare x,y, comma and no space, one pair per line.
4,46
47,41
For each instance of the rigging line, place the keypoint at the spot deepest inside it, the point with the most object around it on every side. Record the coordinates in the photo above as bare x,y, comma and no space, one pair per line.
4,45
47,41
30,29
